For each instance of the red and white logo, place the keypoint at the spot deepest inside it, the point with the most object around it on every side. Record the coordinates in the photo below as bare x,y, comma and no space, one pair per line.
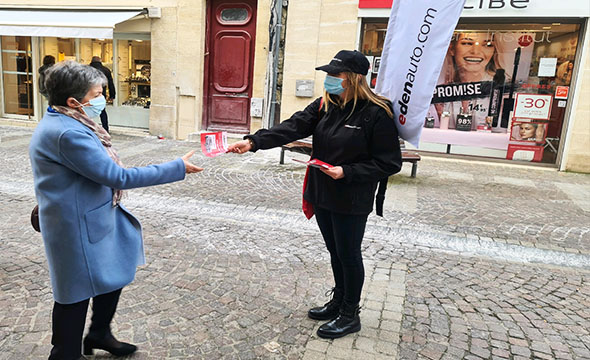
525,40
562,92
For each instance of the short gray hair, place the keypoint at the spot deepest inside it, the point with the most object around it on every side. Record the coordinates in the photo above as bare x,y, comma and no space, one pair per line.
71,79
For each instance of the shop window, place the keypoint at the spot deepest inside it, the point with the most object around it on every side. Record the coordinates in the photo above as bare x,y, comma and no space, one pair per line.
134,73
60,48
481,57
373,38
91,49
17,75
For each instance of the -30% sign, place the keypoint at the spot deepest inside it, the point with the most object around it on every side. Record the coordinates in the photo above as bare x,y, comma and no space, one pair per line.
533,106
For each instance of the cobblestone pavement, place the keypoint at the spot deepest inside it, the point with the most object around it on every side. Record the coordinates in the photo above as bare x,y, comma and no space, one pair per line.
472,260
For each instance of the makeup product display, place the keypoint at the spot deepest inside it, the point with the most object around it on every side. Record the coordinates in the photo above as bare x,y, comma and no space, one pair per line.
464,121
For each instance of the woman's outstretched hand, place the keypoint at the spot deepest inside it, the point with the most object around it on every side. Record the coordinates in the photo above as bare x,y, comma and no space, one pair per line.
240,147
335,172
190,168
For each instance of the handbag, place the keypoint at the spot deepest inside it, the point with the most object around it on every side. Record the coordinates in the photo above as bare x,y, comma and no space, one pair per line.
35,218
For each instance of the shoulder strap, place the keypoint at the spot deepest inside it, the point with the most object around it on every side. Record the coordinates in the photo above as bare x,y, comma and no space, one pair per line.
380,197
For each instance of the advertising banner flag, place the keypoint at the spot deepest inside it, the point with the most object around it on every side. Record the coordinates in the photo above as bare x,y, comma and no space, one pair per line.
418,36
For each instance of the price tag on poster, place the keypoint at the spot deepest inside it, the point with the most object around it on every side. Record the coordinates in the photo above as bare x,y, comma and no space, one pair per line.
533,106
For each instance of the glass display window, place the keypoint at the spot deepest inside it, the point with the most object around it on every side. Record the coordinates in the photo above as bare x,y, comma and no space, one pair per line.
103,48
60,48
17,75
134,72
477,86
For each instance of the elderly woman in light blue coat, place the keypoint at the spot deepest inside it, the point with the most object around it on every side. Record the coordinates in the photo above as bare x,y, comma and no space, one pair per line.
93,244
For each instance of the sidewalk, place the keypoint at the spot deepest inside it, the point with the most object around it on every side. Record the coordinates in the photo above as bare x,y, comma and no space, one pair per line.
471,261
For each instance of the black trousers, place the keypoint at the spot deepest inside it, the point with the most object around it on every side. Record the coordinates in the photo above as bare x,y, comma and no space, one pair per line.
343,235
104,119
68,324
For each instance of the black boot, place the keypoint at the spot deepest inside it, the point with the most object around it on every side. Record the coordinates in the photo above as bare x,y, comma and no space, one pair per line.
348,321
330,309
108,343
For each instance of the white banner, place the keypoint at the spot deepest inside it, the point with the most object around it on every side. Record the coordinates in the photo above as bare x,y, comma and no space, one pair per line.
417,40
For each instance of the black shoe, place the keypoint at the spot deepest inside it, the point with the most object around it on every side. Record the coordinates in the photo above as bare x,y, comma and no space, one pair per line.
347,322
108,343
330,309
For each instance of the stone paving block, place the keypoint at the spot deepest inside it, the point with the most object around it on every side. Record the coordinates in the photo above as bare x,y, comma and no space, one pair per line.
343,342
317,345
373,305
335,352
367,345
313,355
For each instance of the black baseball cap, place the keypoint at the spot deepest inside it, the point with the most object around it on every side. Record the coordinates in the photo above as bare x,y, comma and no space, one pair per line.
347,61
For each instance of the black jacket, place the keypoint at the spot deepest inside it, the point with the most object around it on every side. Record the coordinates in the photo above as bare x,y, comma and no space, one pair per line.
365,143
105,70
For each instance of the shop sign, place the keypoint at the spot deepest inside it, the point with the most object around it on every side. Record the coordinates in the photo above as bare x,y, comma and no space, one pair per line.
562,92
533,106
528,8
375,4
501,8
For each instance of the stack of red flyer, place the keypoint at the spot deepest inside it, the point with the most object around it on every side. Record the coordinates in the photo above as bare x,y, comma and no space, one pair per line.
315,163
214,144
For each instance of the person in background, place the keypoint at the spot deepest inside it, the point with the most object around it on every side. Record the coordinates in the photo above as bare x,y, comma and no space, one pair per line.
97,64
48,61
92,242
354,131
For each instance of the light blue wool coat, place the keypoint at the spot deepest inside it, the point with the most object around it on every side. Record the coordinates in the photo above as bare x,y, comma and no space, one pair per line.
92,247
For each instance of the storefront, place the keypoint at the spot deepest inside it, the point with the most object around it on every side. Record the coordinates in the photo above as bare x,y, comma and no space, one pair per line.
119,38
178,67
510,81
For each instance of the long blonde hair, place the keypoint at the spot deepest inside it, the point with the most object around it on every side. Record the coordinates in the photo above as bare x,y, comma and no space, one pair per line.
359,88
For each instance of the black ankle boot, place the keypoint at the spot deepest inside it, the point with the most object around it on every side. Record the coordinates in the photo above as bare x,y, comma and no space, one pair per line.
107,343
348,321
330,309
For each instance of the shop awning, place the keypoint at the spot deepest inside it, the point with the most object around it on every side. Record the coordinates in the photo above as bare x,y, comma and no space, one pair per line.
63,23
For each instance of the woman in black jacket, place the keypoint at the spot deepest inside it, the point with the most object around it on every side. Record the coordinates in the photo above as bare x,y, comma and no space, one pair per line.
353,129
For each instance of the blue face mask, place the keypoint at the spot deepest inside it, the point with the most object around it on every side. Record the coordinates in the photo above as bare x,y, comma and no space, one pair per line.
333,85
96,106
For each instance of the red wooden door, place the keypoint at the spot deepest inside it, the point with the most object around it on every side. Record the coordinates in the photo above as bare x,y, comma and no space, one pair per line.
229,65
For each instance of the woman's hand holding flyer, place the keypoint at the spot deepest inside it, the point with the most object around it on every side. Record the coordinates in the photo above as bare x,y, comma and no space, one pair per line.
214,144
315,163
335,172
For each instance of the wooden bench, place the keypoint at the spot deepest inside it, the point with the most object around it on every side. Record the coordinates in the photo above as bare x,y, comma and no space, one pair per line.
304,146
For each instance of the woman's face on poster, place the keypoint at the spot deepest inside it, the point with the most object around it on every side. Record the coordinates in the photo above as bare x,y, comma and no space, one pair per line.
473,52
527,131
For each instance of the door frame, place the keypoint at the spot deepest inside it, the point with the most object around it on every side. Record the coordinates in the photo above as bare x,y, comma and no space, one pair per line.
205,122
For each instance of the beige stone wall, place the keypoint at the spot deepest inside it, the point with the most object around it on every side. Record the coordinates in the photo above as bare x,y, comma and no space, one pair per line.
578,152
190,54
260,56
316,31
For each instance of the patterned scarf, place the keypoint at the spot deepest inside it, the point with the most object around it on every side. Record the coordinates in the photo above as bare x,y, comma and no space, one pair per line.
103,136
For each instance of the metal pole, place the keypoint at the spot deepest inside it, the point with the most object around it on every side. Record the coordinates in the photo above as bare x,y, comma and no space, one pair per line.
275,60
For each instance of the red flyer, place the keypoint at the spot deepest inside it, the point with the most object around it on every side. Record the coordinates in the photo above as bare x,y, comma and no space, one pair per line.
214,144
315,163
